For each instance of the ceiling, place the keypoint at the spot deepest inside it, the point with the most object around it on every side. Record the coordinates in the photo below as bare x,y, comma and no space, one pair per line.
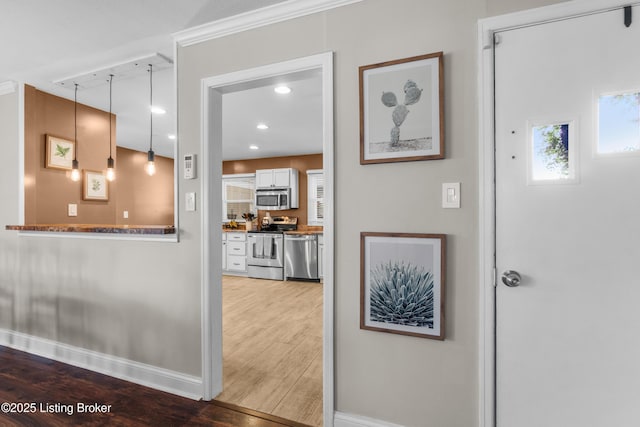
77,37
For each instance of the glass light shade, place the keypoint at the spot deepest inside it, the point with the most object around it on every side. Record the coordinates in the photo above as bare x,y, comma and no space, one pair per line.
150,168
111,171
75,172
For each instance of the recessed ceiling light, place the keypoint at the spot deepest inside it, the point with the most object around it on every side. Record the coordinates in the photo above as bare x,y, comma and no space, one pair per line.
253,147
262,126
282,89
158,110
171,136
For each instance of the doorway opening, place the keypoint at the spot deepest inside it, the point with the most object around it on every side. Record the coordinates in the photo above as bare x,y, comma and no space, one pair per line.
238,365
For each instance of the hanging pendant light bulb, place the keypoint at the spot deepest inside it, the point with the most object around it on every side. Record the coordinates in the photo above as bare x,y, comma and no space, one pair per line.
75,172
111,172
151,166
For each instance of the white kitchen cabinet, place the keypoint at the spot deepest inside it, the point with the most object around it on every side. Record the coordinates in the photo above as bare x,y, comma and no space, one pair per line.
224,251
280,178
235,252
320,256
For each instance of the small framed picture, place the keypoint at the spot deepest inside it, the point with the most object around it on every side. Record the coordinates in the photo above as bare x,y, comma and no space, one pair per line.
95,186
402,110
60,153
402,280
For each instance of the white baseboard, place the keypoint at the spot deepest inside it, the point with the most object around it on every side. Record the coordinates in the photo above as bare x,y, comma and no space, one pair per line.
341,419
128,370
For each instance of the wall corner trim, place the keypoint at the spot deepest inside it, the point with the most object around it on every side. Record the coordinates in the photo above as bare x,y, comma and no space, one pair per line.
124,369
342,419
8,87
278,12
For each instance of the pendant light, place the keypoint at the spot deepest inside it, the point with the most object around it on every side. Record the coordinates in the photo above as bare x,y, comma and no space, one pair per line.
150,167
111,172
75,172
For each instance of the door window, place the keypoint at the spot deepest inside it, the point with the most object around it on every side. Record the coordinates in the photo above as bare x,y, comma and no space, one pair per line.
619,123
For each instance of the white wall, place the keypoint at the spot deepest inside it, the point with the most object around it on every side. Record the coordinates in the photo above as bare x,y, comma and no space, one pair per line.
129,299
400,379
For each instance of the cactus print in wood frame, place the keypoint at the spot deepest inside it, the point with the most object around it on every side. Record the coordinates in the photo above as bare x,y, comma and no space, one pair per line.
402,110
402,278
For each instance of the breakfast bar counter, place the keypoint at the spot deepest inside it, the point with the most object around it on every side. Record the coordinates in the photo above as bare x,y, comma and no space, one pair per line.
96,228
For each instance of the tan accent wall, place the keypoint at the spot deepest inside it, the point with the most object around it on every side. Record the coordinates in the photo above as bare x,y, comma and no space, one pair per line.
301,163
147,199
48,192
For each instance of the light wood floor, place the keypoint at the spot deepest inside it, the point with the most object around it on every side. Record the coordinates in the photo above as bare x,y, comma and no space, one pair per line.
272,347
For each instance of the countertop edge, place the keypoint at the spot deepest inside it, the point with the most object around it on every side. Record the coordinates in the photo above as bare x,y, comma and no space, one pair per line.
98,228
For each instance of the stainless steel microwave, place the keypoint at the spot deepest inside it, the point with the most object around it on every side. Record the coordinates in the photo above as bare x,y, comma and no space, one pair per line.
273,199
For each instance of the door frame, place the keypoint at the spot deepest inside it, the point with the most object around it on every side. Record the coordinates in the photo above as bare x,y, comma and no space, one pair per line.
486,178
211,146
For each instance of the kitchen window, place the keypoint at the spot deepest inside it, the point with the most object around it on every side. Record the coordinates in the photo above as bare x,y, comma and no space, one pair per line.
315,197
238,196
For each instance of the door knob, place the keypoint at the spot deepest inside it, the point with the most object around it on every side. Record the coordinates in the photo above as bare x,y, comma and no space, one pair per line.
511,278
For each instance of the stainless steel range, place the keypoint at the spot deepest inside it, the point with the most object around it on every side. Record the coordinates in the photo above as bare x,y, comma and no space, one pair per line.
265,257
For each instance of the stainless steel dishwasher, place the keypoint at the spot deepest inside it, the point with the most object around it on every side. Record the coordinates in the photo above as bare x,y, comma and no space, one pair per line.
301,256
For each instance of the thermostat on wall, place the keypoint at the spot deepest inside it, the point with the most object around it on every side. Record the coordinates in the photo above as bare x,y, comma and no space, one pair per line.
189,166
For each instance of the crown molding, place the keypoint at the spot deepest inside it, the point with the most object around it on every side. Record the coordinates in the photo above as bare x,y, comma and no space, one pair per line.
8,87
256,18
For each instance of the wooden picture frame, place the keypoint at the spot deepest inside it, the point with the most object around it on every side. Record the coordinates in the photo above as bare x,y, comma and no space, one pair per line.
402,283
95,186
402,110
59,153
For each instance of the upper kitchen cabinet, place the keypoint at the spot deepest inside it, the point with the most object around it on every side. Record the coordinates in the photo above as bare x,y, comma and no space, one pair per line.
277,178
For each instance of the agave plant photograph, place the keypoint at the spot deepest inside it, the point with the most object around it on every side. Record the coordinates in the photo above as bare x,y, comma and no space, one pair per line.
401,110
402,283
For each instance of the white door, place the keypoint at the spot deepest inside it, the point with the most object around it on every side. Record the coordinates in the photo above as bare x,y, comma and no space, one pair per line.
568,337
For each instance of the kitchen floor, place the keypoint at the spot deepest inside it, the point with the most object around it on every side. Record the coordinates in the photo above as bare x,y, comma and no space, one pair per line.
272,351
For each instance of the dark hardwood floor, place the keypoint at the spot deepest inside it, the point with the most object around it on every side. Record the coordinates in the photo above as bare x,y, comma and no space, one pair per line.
35,391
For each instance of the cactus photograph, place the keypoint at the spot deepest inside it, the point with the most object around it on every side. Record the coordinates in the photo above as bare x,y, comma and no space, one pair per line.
401,114
402,283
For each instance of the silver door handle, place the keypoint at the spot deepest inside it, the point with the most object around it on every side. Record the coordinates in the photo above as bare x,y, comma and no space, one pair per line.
511,278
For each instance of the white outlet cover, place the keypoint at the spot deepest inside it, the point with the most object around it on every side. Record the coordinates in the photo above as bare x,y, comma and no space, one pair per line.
72,209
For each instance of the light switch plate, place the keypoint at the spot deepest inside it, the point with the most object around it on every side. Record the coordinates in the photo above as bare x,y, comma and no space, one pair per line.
451,195
72,209
190,202
125,214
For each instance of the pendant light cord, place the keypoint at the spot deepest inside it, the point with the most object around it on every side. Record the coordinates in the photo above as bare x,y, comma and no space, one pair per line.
110,131
75,124
150,107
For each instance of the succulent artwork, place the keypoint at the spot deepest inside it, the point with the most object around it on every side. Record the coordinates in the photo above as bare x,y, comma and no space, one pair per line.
62,151
411,95
96,185
402,294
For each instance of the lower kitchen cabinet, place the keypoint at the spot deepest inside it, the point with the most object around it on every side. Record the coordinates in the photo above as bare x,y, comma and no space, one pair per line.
234,252
320,256
224,251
